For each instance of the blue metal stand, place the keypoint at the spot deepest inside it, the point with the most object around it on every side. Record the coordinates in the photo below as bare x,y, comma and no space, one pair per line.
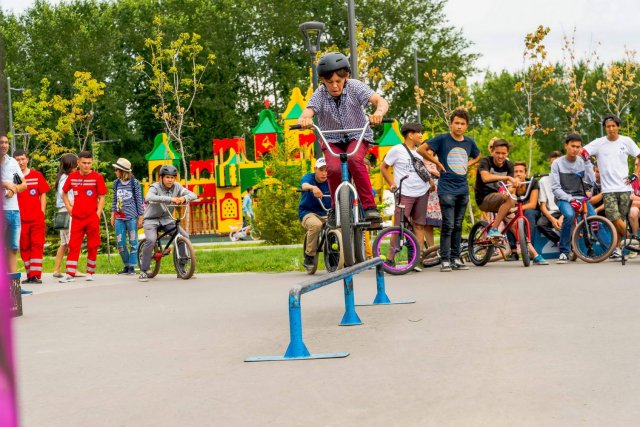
297,350
381,293
350,317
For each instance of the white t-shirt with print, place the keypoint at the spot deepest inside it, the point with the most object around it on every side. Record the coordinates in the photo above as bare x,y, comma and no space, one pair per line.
402,165
9,168
612,157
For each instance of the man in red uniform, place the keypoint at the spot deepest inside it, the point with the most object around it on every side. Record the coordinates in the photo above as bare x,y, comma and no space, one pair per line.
88,192
32,207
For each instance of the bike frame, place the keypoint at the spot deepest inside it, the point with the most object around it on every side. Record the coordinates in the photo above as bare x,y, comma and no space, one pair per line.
344,170
176,230
519,213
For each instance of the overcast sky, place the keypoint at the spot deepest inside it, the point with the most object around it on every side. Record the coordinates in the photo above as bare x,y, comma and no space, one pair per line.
497,27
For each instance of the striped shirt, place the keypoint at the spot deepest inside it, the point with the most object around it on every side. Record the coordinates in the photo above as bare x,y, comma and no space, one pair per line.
127,199
346,113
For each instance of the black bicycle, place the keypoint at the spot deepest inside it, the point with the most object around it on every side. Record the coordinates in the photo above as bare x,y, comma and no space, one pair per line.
184,256
329,243
630,242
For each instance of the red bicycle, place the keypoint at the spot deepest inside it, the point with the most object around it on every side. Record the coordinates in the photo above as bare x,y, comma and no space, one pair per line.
482,247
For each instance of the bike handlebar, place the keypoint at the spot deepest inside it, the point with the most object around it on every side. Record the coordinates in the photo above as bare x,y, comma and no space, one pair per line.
166,206
518,198
317,198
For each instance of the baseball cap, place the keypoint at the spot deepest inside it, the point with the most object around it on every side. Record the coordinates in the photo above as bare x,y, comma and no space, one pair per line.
321,162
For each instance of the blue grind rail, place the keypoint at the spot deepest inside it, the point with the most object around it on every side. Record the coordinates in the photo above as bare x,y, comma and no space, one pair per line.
297,350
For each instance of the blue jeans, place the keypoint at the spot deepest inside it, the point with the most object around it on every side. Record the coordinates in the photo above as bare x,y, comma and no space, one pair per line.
453,208
532,216
567,224
127,229
12,229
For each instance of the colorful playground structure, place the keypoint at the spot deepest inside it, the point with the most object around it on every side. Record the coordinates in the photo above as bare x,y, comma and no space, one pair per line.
221,181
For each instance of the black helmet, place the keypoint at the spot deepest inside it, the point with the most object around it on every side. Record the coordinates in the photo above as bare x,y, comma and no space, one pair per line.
168,170
331,62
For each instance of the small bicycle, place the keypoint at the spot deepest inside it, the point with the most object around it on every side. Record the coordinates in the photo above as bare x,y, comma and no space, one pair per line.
397,245
482,247
238,232
349,218
184,256
329,243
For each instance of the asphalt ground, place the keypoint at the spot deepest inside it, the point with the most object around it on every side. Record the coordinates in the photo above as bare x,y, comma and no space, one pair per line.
494,346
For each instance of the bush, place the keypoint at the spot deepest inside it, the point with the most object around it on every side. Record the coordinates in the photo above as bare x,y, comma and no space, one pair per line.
277,201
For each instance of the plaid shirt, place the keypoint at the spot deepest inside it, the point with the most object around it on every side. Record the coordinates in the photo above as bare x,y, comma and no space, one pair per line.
348,114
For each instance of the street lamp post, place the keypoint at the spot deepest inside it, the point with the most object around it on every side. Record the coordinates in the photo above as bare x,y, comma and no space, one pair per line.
353,45
415,70
311,32
13,135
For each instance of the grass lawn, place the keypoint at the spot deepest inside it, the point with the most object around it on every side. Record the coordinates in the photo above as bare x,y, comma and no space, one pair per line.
216,260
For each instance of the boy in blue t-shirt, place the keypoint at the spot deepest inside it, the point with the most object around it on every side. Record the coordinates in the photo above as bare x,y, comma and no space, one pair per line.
310,212
453,151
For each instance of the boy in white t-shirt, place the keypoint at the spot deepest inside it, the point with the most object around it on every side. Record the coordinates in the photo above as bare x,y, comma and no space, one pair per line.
414,190
612,153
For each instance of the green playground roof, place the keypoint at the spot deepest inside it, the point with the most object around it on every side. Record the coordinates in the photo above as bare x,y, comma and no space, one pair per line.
390,136
163,150
266,123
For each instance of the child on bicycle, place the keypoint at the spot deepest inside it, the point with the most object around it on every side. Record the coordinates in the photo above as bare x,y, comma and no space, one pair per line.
311,214
568,177
338,104
156,217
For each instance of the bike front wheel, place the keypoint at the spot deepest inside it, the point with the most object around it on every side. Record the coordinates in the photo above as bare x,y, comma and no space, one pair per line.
522,241
154,267
347,226
184,258
480,246
333,258
594,239
399,250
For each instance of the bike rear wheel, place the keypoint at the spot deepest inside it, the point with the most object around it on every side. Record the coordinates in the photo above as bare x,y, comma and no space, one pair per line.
333,257
522,241
184,257
359,245
154,267
314,267
399,255
596,243
346,226
431,256
480,246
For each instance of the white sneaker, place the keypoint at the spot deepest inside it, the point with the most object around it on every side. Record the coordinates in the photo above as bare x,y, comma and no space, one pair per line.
616,255
562,259
89,278
67,279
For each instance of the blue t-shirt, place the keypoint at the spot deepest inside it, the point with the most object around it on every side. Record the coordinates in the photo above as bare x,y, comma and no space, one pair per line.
308,202
454,156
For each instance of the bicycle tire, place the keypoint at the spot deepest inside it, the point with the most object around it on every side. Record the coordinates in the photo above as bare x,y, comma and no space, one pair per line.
310,270
602,243
346,226
154,267
431,256
333,256
406,252
522,241
479,253
184,257
359,245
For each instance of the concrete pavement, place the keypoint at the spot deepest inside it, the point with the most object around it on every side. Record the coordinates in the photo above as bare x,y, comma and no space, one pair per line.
493,346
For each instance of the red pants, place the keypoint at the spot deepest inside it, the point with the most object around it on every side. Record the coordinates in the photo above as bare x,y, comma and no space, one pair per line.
79,228
357,169
32,237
